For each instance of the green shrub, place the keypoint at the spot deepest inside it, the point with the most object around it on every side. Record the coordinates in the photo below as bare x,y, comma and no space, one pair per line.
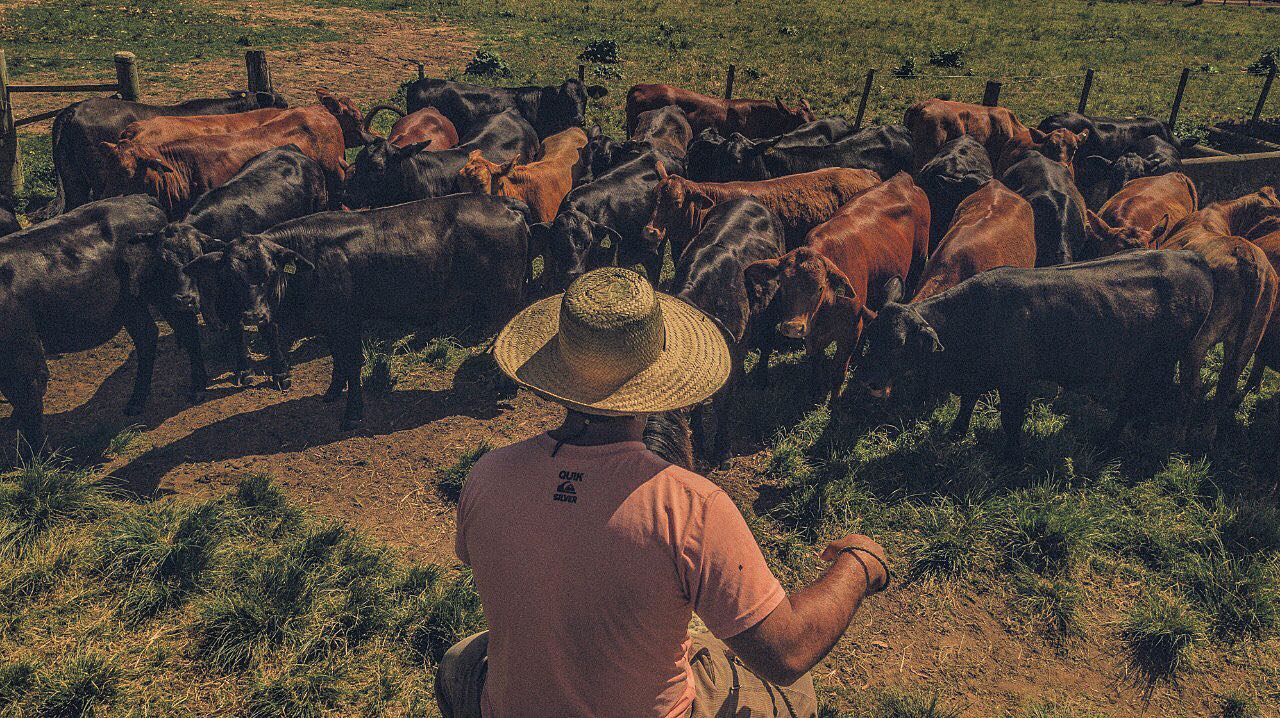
1267,60
488,63
952,57
602,51
906,68
1159,635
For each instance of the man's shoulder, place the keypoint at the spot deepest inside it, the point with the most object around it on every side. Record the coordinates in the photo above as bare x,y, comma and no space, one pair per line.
696,485
495,460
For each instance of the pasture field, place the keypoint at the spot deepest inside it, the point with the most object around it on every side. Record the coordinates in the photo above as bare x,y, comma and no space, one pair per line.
1087,579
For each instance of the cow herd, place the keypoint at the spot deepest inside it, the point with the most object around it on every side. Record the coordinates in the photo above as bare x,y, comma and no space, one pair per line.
956,249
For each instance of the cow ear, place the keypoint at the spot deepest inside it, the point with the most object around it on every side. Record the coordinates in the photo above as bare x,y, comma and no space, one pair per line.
893,290
701,200
107,147
868,315
1161,227
1097,165
662,170
804,105
509,165
203,265
929,339
595,92
603,232
411,150
237,94
761,280
839,282
539,236
290,262
1083,135
1098,226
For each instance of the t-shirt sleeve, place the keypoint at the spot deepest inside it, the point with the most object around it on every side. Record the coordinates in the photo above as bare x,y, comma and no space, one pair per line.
727,579
464,506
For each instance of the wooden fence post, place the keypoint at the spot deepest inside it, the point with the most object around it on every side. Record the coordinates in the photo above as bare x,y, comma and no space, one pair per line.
1084,91
582,73
1262,98
127,75
862,103
1177,99
10,160
422,71
728,82
257,72
991,96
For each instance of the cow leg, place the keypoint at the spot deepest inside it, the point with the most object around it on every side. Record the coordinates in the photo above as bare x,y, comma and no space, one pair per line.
1191,389
1013,412
336,381
243,369
352,362
187,331
23,382
960,427
840,368
819,376
767,345
142,329
280,378
1256,374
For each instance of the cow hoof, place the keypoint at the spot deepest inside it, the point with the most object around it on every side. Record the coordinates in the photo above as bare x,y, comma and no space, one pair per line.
196,397
281,383
241,378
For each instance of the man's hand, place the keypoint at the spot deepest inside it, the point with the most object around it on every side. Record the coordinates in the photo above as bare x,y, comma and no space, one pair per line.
875,564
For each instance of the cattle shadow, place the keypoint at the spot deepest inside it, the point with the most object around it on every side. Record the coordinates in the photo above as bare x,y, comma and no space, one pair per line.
305,422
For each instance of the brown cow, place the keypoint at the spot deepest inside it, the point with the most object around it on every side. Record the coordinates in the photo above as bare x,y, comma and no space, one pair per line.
1060,145
1244,290
159,130
934,122
425,125
993,227
542,185
178,172
1268,355
1138,215
753,118
823,291
800,202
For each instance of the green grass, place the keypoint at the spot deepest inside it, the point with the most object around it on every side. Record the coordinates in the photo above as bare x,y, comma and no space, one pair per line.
1159,635
449,480
286,614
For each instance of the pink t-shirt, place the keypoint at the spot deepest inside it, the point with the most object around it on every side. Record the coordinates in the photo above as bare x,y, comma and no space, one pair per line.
589,565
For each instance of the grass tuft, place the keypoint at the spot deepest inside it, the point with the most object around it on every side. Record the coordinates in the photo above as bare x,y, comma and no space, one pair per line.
1159,635
440,616
124,441
1045,531
16,679
299,692
161,554
1238,705
914,705
952,541
46,492
77,687
1054,603
450,479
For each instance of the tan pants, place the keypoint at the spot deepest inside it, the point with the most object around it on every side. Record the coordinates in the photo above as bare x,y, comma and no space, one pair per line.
724,687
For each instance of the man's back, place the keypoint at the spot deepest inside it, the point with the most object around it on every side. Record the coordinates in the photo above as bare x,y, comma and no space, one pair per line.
589,563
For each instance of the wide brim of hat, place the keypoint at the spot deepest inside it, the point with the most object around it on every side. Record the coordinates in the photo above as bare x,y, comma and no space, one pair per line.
693,365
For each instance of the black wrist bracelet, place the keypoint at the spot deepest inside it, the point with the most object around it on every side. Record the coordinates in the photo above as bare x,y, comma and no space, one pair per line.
855,550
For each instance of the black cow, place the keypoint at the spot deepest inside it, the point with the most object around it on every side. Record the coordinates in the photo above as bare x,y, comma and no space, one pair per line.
606,152
276,186
548,109
8,220
1058,207
666,128
1110,137
959,169
79,128
1148,157
886,150
613,208
70,283
709,276
1126,319
384,174
459,261
709,151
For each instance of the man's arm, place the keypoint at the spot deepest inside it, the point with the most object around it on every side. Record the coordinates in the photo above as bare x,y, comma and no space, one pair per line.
804,628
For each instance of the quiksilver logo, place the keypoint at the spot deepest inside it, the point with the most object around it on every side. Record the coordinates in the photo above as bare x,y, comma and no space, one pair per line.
566,492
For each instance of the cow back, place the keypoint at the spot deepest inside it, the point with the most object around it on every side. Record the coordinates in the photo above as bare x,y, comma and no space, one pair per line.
1058,208
993,227
959,169
277,185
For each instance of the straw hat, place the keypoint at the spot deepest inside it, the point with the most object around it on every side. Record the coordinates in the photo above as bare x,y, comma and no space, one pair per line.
611,345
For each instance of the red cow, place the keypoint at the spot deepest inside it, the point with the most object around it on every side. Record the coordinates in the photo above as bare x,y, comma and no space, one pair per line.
993,227
158,130
1268,355
542,185
823,291
800,202
934,122
1138,215
752,118
425,125
1060,145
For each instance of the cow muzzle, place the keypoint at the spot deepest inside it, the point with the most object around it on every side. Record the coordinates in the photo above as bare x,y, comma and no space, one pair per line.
254,319
794,329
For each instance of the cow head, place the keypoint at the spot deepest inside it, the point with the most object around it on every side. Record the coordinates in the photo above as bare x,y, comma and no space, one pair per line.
131,167
897,339
159,271
1059,145
482,176
795,287
1116,173
793,117
250,274
572,245
1112,240
370,180
678,204
348,116
565,106
702,157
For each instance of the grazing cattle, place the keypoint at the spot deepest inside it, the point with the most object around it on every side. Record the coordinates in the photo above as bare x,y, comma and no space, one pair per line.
603,219
1060,146
1137,216
178,172
884,150
70,283
542,185
993,227
158,130
822,292
935,122
800,202
8,220
459,260
707,151
1127,320
548,109
425,125
1058,206
1245,289
753,118
79,128
1268,355
384,174
957,171
1149,157
1109,137
665,129
709,275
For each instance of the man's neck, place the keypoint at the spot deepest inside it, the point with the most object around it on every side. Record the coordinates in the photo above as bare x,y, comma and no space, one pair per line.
588,430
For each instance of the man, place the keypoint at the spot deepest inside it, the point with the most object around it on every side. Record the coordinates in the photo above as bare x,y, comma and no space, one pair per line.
590,552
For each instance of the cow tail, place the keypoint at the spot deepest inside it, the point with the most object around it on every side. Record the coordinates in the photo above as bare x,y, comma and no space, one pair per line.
373,111
530,251
58,204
